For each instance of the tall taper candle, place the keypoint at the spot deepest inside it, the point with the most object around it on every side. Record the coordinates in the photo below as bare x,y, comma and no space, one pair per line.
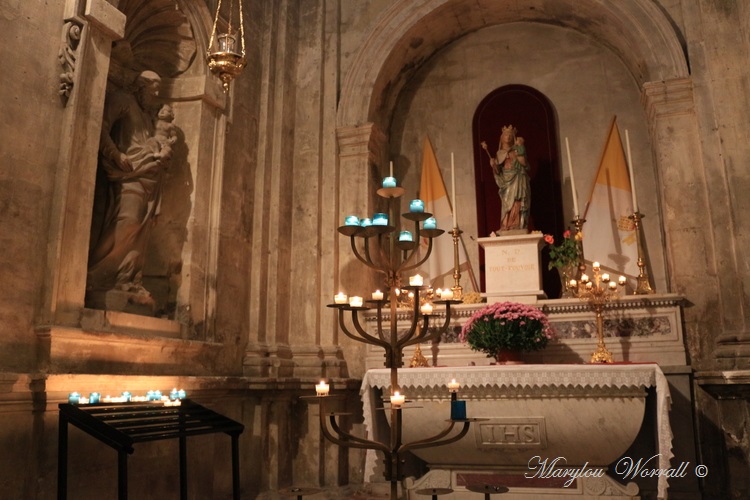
453,190
572,181
630,171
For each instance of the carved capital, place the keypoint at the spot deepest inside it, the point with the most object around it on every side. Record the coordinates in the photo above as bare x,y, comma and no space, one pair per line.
668,98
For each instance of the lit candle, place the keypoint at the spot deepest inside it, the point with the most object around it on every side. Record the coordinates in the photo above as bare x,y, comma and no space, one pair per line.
584,278
173,394
605,277
340,298
74,398
572,180
365,222
94,397
573,283
630,171
430,223
415,280
447,294
107,399
351,220
426,308
416,206
157,395
453,385
126,396
397,399
453,190
322,388
596,266
405,236
380,219
389,182
612,285
377,295
589,285
622,280
355,301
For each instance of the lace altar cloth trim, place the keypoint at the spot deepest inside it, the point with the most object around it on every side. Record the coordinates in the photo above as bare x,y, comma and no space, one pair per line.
530,376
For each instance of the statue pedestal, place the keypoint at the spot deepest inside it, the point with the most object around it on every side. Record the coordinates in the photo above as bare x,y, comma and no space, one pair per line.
513,268
122,301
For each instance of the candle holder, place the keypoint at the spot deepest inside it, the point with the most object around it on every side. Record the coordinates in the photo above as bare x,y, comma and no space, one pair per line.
578,222
643,287
418,360
380,249
598,292
458,291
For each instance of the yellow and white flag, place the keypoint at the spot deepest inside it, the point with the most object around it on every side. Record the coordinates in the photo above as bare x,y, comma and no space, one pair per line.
439,267
609,235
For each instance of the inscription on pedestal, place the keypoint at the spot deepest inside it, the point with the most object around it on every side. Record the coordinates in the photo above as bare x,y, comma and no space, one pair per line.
521,432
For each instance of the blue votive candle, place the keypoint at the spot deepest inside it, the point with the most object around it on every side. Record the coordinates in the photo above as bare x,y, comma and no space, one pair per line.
365,222
430,223
380,219
157,395
94,398
389,182
416,206
74,398
126,396
181,394
351,220
458,410
405,236
150,396
173,394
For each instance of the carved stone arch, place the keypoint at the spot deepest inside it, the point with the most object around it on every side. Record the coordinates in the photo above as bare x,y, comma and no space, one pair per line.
408,33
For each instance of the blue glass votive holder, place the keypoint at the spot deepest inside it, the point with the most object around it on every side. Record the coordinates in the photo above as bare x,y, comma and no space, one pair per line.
150,396
416,206
181,394
173,395
405,236
380,219
458,410
126,396
351,220
430,223
389,182
157,395
365,222
94,398
74,398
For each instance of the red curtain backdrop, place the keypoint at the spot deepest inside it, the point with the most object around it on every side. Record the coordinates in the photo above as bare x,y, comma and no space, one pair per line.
532,114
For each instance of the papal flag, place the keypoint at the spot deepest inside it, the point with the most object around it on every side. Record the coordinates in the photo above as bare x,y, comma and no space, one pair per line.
439,267
609,235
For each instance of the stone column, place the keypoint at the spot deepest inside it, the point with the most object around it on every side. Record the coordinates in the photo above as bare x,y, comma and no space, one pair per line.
691,204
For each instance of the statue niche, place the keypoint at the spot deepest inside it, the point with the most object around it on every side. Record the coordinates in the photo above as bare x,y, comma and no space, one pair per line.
137,163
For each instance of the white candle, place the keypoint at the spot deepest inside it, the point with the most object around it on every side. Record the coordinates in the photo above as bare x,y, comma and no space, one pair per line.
377,295
355,301
573,283
322,388
572,181
596,266
612,285
398,399
415,280
447,294
630,171
622,280
584,278
453,190
340,298
453,385
605,277
391,170
426,308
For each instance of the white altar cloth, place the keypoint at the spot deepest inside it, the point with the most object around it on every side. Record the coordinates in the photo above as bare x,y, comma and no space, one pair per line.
530,376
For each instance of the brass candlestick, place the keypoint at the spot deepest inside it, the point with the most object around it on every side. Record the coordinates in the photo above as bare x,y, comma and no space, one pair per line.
597,293
458,291
643,287
578,222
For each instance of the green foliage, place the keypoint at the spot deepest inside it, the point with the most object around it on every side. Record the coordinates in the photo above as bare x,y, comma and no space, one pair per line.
507,325
567,253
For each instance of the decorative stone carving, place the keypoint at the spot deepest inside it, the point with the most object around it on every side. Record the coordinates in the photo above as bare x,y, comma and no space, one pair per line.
68,55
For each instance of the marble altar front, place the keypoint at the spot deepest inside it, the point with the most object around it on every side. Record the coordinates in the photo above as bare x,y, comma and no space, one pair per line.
585,415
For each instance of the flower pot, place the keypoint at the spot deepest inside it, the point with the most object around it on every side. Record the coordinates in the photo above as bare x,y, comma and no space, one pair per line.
508,357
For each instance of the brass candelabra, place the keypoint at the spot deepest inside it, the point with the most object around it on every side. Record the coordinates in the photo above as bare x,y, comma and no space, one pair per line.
385,249
598,292
643,287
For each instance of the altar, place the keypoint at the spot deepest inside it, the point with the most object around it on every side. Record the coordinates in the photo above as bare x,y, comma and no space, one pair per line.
585,416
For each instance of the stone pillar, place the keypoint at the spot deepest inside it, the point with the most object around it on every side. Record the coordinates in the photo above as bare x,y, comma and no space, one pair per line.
687,205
